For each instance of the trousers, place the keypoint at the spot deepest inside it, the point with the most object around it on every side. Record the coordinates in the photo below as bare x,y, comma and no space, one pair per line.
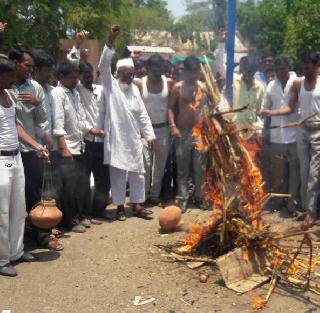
308,143
285,172
187,156
33,171
155,162
73,193
119,178
94,164
12,208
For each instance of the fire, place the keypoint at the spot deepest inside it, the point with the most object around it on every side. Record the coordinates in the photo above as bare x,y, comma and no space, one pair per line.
198,97
227,154
232,171
257,302
277,261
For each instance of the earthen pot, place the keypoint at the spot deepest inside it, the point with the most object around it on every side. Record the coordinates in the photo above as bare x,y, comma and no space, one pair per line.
170,219
45,214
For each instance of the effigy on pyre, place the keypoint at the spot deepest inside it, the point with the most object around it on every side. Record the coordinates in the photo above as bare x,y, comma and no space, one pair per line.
234,188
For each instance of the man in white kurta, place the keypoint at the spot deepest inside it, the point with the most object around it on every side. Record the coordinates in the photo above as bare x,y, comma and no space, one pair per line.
126,122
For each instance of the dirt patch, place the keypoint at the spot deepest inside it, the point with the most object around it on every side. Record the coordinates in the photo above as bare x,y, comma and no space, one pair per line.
104,269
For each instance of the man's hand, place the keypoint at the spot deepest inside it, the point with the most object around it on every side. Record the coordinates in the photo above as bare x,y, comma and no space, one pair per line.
42,152
97,132
47,141
175,132
28,98
113,34
2,27
81,37
151,145
265,113
65,153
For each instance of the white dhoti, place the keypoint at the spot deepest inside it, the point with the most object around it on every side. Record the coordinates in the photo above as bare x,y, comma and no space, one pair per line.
12,208
118,179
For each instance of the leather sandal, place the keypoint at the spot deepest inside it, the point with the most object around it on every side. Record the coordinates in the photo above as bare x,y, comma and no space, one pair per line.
54,244
139,211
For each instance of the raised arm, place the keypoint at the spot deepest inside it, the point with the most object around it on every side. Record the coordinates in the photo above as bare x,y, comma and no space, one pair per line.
74,55
220,53
106,58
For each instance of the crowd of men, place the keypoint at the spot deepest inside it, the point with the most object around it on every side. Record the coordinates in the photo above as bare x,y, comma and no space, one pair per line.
133,132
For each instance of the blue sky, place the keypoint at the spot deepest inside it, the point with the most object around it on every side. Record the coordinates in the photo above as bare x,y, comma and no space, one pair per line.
177,7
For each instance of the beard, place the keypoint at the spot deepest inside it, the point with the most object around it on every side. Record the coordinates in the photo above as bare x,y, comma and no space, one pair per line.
124,87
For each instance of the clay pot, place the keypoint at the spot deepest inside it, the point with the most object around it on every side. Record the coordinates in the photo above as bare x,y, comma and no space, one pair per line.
170,219
45,214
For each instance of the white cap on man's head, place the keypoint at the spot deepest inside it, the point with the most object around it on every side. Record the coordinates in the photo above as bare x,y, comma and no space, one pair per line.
124,63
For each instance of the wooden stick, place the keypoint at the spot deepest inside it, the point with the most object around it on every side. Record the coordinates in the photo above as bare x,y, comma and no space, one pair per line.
280,195
273,285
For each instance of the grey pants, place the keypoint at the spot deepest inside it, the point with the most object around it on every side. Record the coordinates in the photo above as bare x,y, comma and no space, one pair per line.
155,162
187,156
284,172
308,143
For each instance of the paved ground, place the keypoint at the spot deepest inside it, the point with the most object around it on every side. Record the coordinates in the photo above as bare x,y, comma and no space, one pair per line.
105,268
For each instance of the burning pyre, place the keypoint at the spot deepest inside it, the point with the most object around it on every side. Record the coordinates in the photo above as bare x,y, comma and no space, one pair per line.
233,187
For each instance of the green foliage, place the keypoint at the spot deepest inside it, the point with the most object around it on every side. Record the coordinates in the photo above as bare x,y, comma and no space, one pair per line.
41,23
303,31
281,26
263,24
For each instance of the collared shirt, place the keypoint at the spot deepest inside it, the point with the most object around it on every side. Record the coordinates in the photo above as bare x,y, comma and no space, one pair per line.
47,127
74,55
261,77
253,98
276,98
30,116
70,118
95,108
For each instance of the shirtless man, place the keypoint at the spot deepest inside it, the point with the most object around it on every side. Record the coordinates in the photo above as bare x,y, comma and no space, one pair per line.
184,110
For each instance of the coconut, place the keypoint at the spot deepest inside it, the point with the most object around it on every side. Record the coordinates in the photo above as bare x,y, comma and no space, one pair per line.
170,218
45,214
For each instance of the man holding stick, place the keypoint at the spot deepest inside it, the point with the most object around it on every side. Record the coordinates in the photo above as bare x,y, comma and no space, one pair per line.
306,92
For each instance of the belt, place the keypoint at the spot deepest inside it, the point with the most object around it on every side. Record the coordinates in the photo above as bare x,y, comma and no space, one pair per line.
311,126
160,125
9,152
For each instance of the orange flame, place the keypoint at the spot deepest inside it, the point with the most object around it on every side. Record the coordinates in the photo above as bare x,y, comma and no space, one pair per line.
257,302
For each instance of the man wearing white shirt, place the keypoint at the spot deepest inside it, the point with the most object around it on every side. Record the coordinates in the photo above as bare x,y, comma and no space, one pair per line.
93,100
70,127
126,119
284,167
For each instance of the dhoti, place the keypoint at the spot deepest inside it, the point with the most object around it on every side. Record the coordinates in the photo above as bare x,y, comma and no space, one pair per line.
118,180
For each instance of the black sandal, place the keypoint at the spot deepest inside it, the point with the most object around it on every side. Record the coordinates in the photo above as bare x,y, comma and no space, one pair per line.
121,214
144,214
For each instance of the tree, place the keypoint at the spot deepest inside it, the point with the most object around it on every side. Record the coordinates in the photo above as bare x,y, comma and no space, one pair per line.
280,26
40,23
263,24
159,6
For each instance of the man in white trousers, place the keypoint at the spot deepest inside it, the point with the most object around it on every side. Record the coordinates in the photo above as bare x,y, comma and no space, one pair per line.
155,89
126,121
12,181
